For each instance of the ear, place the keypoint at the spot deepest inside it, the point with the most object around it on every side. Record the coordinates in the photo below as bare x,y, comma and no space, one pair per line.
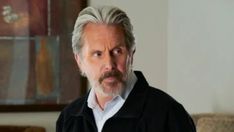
78,60
132,54
80,64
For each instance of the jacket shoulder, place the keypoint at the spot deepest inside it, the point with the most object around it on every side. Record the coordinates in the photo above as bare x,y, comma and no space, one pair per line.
158,96
160,101
161,107
75,106
72,109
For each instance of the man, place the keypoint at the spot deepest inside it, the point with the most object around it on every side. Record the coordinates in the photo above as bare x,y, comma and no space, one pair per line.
120,99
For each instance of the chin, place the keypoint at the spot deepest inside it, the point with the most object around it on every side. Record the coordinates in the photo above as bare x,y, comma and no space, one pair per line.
111,90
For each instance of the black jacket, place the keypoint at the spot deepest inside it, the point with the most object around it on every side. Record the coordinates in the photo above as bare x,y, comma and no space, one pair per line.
146,109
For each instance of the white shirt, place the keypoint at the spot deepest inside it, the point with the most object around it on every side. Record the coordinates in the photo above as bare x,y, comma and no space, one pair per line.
112,106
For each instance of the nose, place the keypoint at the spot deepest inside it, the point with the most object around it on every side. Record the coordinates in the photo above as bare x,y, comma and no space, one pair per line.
109,62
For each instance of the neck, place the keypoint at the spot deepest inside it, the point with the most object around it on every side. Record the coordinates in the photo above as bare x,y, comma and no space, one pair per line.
102,100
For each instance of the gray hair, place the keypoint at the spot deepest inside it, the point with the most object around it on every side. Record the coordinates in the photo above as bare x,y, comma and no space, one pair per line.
105,15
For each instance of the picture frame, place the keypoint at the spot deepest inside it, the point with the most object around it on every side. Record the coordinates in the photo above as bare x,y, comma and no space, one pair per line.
38,69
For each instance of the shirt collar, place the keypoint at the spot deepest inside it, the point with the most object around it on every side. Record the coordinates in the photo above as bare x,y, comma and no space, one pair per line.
130,109
92,103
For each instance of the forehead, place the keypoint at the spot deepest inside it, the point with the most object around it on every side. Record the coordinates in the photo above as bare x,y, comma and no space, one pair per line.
103,32
93,26
100,37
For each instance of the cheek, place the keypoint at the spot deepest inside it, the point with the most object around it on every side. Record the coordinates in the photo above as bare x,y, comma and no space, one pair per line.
91,70
124,64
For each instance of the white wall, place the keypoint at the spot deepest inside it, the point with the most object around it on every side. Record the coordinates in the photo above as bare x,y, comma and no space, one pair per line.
186,47
201,54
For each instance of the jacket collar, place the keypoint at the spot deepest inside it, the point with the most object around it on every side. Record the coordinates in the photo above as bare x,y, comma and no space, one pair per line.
131,108
134,104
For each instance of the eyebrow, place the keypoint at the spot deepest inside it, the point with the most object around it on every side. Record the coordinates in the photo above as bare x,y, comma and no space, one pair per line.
116,46
120,45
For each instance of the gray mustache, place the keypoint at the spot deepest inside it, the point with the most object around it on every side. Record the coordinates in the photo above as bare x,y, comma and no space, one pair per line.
115,73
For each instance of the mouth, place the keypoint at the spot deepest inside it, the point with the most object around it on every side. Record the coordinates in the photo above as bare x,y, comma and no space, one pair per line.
110,77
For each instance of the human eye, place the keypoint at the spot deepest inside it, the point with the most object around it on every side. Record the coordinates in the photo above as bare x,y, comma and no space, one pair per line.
97,54
117,51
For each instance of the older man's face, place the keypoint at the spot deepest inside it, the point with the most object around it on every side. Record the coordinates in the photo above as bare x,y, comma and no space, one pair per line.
105,58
